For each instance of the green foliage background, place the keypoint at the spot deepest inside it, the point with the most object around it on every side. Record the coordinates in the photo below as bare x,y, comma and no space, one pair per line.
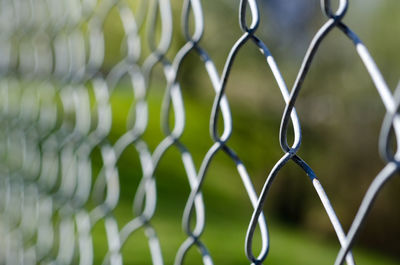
340,112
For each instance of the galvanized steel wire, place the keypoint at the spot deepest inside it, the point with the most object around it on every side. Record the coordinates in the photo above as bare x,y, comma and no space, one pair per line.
51,61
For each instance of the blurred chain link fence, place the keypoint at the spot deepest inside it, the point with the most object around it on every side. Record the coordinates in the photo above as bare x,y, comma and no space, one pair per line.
56,110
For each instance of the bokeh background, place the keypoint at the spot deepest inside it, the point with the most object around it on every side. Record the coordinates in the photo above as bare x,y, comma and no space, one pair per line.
340,111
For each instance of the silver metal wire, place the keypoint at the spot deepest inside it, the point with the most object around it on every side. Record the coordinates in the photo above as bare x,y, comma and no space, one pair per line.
56,113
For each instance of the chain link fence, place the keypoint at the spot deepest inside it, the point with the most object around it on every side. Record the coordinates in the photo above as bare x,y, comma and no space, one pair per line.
56,112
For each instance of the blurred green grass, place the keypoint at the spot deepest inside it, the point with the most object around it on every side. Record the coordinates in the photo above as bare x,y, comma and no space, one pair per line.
228,210
225,240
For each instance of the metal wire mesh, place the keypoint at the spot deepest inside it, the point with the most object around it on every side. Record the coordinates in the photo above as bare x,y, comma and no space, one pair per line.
52,54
